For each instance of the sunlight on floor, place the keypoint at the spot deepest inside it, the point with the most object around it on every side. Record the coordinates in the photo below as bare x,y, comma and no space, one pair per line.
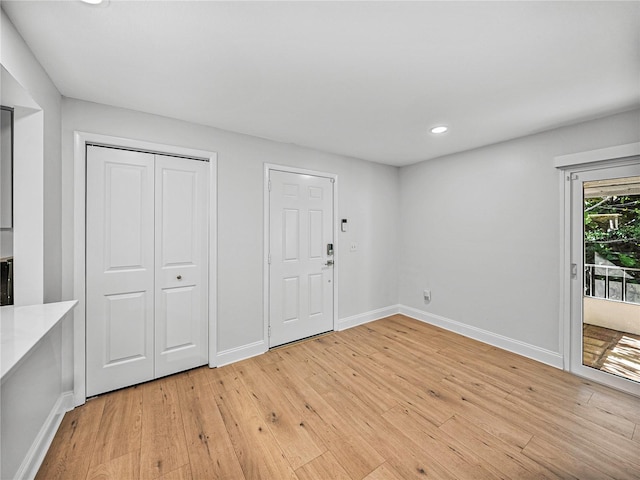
612,351
624,359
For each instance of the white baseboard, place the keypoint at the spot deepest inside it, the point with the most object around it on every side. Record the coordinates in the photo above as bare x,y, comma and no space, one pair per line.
225,357
516,346
32,461
366,317
548,357
232,355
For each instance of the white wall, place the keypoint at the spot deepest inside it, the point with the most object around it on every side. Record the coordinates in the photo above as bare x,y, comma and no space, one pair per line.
481,229
368,197
20,63
6,234
6,243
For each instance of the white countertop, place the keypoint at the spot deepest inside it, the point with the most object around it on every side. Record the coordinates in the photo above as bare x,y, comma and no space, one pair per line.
23,327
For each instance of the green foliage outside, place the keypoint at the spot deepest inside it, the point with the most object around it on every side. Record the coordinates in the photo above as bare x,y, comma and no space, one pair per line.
621,245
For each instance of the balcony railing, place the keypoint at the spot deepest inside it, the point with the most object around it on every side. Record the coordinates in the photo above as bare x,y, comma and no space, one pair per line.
612,283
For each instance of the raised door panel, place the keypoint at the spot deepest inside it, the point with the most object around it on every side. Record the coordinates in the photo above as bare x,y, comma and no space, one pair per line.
125,328
182,199
120,268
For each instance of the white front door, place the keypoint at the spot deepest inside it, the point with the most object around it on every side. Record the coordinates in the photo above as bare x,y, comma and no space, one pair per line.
147,266
301,256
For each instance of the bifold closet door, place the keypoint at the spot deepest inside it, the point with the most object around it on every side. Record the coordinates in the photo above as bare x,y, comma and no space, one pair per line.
147,266
120,268
181,265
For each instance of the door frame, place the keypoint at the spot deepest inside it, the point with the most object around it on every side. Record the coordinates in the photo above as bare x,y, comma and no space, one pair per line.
80,141
568,166
268,167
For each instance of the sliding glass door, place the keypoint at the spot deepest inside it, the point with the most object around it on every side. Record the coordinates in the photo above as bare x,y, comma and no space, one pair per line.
605,271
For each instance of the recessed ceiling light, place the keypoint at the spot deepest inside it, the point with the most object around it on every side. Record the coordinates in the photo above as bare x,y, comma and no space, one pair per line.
92,2
439,129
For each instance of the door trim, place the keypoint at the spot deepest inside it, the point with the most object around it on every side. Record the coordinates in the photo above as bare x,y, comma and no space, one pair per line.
568,165
80,141
268,167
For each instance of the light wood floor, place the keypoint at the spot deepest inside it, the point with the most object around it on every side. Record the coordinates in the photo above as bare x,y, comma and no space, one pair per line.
393,399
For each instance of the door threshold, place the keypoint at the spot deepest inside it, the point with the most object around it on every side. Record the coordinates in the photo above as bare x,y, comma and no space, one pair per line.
301,340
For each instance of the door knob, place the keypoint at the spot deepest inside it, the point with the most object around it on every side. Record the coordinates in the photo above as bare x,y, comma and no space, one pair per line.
329,263
179,277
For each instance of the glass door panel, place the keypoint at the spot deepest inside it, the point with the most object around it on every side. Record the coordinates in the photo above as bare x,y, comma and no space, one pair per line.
605,335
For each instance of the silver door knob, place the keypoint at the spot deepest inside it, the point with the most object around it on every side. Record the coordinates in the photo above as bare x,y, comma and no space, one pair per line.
329,263
179,277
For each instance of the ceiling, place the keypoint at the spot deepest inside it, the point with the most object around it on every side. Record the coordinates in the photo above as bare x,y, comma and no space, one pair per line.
628,186
363,79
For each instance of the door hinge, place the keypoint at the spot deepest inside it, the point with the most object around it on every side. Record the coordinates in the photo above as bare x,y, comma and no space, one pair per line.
333,180
572,176
269,331
574,270
269,185
269,259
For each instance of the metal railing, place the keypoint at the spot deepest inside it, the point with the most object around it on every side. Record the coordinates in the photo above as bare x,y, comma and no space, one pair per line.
612,283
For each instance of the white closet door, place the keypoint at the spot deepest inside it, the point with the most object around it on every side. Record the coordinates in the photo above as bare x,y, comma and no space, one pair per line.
181,264
120,268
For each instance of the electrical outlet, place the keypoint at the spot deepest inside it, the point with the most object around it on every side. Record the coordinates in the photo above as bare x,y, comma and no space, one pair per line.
354,246
427,295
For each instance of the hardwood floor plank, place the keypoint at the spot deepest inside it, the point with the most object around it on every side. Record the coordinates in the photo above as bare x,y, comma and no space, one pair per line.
499,367
362,340
125,466
268,357
222,379
546,376
563,464
211,455
255,446
182,473
467,372
613,446
324,466
163,446
437,337
590,414
373,397
406,457
70,454
410,460
572,438
119,432
392,399
624,406
383,472
409,388
283,420
404,338
356,456
502,424
412,387
498,455
305,365
460,462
